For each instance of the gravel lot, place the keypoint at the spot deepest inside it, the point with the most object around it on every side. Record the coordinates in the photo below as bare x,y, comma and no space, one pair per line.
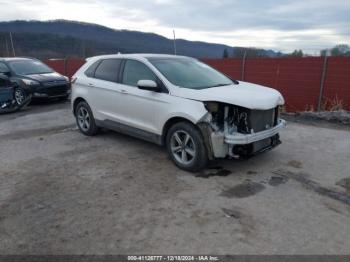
64,193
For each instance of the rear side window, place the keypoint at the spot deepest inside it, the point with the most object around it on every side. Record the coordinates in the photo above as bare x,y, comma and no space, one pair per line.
135,71
108,70
90,72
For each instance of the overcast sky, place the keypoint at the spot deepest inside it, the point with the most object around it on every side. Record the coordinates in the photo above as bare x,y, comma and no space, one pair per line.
282,25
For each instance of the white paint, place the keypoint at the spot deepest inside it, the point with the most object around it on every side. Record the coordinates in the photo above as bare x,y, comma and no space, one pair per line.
244,94
149,111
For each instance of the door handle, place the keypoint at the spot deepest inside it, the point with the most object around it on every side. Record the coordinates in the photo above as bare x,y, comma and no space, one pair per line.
123,91
89,84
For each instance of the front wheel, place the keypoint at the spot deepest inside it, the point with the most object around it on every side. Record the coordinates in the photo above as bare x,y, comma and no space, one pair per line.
85,119
186,147
20,96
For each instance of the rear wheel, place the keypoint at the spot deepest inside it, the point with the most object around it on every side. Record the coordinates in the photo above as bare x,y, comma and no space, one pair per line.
186,147
85,119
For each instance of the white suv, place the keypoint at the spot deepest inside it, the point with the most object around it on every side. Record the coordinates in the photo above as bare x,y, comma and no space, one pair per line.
198,113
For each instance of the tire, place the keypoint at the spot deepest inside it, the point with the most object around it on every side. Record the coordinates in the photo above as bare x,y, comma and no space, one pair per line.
186,147
20,96
85,119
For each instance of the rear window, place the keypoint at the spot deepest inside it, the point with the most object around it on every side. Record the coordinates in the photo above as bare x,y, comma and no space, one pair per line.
108,70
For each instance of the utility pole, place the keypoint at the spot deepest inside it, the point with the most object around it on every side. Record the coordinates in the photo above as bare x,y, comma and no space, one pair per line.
243,64
13,48
323,79
174,42
7,47
83,48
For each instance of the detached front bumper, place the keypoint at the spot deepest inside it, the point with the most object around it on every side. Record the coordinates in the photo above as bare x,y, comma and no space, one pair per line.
244,139
242,145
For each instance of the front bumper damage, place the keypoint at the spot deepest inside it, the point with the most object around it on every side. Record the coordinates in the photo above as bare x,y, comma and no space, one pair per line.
222,143
243,139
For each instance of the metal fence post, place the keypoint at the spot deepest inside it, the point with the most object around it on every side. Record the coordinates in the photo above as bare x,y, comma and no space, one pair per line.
243,65
65,65
323,77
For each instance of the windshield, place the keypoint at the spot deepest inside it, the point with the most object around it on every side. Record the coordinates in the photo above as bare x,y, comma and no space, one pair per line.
29,67
189,73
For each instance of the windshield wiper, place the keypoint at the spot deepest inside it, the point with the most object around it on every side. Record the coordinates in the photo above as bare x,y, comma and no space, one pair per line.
220,85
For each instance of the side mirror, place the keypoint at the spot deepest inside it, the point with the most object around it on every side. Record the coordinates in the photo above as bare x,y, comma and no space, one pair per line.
4,77
149,85
6,73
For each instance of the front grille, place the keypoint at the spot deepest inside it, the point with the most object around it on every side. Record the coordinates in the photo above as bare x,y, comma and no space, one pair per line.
55,83
247,120
243,120
55,90
261,120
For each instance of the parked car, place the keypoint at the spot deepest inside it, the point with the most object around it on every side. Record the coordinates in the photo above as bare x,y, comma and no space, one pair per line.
35,78
11,98
198,113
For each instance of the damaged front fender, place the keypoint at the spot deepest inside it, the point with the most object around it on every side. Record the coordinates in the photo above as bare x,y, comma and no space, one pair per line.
234,131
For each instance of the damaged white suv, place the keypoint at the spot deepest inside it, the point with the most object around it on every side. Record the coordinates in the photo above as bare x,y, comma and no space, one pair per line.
198,113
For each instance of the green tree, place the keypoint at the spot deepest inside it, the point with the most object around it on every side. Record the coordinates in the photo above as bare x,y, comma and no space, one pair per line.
240,52
297,53
338,50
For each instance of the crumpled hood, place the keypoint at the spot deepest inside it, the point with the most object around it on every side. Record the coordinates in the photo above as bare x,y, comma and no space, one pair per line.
244,94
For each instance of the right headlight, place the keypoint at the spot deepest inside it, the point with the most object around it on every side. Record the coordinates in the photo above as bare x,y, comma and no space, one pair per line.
30,82
212,107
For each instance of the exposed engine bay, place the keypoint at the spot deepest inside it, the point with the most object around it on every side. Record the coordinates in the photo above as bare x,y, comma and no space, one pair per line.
231,121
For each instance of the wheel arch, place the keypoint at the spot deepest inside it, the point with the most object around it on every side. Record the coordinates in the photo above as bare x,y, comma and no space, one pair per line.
76,102
203,127
172,121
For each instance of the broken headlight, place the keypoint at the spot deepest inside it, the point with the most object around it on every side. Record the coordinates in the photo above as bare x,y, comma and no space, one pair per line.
212,107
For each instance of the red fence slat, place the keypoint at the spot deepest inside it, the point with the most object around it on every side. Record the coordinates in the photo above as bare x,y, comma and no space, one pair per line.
298,79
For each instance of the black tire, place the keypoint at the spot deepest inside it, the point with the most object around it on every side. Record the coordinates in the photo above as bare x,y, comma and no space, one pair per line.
92,128
20,96
199,159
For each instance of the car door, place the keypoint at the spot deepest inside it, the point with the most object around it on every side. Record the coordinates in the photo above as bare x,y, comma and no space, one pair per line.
104,89
4,70
141,108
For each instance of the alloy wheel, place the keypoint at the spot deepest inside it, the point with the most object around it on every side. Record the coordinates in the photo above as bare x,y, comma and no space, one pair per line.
84,119
182,147
19,96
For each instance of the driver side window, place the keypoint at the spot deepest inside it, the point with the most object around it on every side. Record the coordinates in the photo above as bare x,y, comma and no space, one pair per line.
3,68
135,71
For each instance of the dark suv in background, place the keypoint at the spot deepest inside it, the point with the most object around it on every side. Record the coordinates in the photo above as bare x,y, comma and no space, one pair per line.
35,78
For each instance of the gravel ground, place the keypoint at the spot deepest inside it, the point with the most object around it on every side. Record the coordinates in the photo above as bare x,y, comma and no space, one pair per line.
65,193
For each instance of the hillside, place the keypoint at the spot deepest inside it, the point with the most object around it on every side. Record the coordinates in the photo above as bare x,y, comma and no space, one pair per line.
61,38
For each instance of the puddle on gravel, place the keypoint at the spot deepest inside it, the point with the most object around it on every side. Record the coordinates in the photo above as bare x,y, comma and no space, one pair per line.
295,164
217,171
250,172
231,213
316,187
278,180
345,183
245,189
